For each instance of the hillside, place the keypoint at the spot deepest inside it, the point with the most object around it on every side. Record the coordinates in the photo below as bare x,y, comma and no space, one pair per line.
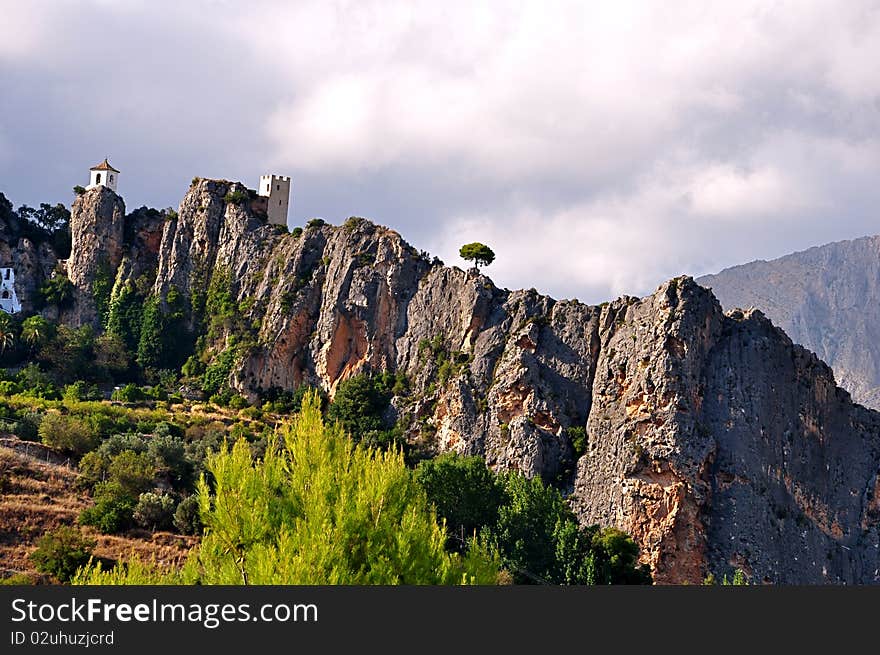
826,298
710,437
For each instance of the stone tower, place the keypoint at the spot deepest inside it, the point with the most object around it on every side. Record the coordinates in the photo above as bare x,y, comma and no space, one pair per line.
103,175
277,190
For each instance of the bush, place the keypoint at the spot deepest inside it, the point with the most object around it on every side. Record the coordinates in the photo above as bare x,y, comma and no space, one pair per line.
61,552
133,472
315,223
80,390
236,197
113,509
154,511
297,232
237,402
358,406
130,393
79,190
68,434
578,436
186,517
464,491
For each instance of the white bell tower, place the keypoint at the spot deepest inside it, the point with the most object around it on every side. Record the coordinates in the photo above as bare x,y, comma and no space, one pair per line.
103,175
277,189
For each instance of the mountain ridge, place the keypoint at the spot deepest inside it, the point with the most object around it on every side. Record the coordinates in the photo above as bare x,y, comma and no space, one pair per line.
664,416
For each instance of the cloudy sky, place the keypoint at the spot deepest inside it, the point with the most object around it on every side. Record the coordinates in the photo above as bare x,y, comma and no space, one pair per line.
598,147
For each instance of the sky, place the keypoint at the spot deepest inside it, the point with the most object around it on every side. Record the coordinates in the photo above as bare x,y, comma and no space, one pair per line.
599,148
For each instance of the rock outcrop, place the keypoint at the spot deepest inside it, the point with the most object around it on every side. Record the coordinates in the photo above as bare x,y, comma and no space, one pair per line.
711,437
33,262
826,298
97,224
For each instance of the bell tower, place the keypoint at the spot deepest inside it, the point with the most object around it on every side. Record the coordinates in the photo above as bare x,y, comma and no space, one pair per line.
103,175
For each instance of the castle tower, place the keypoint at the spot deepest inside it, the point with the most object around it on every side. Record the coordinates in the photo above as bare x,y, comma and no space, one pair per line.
103,175
8,300
277,189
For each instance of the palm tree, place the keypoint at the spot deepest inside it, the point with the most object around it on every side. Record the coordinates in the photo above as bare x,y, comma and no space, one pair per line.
7,335
34,331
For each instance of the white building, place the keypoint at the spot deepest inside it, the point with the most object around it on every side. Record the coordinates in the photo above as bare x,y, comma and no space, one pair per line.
8,300
277,191
103,175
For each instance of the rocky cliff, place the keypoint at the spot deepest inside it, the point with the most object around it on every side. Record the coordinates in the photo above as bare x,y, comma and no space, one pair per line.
826,298
711,437
33,262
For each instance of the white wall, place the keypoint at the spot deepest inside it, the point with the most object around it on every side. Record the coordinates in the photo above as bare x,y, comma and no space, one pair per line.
9,305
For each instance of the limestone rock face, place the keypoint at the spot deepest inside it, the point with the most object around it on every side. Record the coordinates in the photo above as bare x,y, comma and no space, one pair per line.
711,437
826,298
97,228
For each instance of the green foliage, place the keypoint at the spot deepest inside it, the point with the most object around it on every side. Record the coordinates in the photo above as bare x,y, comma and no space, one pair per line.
34,382
71,354
316,510
216,376
133,472
154,511
314,223
36,331
358,405
79,190
738,579
61,552
464,491
113,510
68,434
236,197
164,339
186,516
478,253
541,542
126,316
81,390
102,286
130,393
57,290
7,332
578,436
297,232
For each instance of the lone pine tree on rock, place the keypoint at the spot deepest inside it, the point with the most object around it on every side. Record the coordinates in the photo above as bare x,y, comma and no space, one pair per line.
478,253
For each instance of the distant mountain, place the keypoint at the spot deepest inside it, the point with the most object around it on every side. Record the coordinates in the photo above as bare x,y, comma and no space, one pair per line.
826,298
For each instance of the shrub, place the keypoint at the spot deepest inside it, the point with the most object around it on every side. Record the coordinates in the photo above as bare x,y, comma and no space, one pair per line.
61,552
315,223
297,232
80,390
130,393
133,472
578,436
316,510
236,197
154,511
79,190
186,517
464,491
358,406
237,402
113,509
68,434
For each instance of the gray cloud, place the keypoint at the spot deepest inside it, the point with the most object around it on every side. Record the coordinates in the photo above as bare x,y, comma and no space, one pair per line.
597,149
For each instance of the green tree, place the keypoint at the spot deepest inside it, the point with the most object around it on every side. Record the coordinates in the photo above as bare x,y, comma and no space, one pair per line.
69,434
154,511
478,253
126,315
316,510
7,332
358,406
541,542
36,331
464,491
186,516
57,290
61,552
